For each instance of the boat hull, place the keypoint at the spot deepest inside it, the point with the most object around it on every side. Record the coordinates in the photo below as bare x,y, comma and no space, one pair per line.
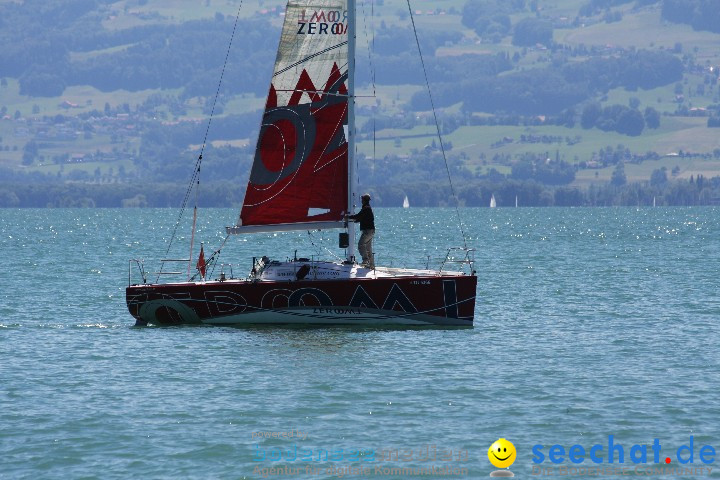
410,301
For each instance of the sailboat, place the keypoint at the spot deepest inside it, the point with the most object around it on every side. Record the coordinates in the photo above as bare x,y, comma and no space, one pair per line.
302,179
406,202
493,204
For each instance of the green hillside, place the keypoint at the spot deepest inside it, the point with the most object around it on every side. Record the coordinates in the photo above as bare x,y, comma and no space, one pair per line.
115,92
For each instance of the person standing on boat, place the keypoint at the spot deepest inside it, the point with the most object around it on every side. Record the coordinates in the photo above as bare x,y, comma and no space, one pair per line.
367,228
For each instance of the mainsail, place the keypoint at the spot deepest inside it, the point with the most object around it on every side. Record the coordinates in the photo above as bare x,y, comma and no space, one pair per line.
300,171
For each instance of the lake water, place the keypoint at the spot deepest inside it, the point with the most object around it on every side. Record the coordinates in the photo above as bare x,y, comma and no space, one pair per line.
589,323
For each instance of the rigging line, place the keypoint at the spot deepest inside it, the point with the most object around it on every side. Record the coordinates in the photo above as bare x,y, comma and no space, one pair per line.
371,49
222,74
217,252
198,162
374,148
312,242
191,184
370,43
372,73
212,261
437,126
194,223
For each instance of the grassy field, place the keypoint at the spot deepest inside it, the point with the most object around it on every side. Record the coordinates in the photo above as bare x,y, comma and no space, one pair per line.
675,134
641,172
85,97
82,56
642,28
107,169
128,14
244,104
11,151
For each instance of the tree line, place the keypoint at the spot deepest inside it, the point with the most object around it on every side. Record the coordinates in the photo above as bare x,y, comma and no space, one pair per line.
700,14
550,90
619,118
475,193
38,39
529,193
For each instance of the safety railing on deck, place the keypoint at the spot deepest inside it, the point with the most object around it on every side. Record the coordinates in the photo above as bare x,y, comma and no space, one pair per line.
140,264
137,267
460,256
454,256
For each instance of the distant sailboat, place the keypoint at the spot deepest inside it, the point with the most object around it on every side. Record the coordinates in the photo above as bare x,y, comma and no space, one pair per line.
653,201
493,204
515,201
406,202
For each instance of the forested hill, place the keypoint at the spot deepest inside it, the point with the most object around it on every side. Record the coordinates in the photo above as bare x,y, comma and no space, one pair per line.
50,46
558,94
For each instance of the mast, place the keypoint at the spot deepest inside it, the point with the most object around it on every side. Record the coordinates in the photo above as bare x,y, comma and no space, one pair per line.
351,125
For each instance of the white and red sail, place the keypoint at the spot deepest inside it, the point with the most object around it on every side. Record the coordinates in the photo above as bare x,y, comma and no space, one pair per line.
300,171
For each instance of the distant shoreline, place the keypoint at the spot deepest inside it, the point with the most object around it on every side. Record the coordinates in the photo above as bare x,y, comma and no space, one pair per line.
507,193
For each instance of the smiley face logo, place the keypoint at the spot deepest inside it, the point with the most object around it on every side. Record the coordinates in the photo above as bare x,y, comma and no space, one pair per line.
502,453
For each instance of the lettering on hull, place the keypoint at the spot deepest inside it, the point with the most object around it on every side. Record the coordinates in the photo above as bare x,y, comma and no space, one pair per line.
361,299
450,294
225,303
434,303
398,297
303,295
337,311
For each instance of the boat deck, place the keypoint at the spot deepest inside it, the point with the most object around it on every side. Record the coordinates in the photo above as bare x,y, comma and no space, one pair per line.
324,270
309,270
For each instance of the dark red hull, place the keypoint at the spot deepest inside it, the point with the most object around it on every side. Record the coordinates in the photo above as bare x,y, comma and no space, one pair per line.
407,300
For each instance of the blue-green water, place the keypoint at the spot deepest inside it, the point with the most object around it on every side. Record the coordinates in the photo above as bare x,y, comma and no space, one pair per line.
589,323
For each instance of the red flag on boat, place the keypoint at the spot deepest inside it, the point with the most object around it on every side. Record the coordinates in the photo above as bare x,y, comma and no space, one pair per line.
201,262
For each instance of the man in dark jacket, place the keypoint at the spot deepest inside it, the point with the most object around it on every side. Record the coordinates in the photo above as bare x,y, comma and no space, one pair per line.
367,228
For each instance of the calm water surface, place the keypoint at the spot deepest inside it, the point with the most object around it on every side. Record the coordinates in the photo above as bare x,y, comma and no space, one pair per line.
589,323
